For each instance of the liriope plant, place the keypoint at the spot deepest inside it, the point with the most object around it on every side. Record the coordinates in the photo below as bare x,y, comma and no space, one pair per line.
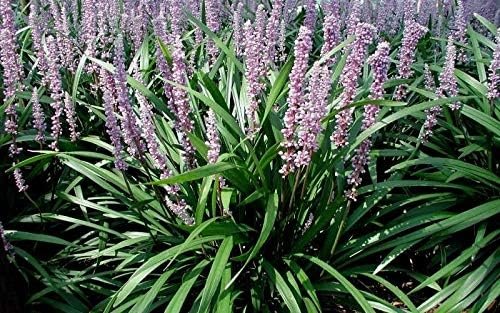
216,175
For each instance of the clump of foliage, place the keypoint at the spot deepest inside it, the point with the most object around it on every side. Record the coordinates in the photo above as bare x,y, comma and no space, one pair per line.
221,156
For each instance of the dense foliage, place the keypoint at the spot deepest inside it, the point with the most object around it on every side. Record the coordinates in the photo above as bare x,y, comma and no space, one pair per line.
248,156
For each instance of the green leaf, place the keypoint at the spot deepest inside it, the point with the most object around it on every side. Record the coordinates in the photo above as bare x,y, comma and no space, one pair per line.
197,173
347,285
267,228
283,289
215,275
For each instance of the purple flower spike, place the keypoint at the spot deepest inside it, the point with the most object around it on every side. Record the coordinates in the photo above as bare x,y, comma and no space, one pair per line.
5,243
131,133
213,10
494,75
354,17
331,31
273,28
447,88
69,110
237,28
349,80
56,91
311,113
460,30
38,117
310,17
20,183
213,141
296,98
412,33
107,86
184,124
429,82
379,62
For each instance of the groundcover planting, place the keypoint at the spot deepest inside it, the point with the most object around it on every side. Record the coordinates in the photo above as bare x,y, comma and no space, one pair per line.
249,156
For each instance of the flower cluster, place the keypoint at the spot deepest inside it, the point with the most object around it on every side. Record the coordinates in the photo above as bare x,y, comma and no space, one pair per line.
56,91
311,113
272,29
429,82
412,33
331,30
213,141
38,117
379,62
107,86
349,81
310,16
460,30
354,17
131,132
213,11
494,75
303,46
184,124
447,88
239,37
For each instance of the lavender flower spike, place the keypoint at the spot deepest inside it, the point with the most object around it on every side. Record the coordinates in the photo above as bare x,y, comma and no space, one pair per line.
5,243
131,133
107,85
311,113
349,80
429,82
379,62
20,183
213,11
331,31
447,88
213,142
412,33
460,30
303,46
494,75
69,110
354,17
12,69
56,91
272,29
38,117
310,17
237,28
184,124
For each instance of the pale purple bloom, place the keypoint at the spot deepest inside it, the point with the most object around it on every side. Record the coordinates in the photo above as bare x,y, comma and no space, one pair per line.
56,91
255,56
37,29
69,111
494,72
107,86
273,28
310,16
131,132
184,124
12,71
38,117
296,98
237,29
331,32
308,223
460,30
281,41
412,33
181,209
260,38
213,140
213,11
20,183
447,88
11,64
429,82
89,25
354,17
5,243
349,81
311,113
62,35
379,62
149,135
